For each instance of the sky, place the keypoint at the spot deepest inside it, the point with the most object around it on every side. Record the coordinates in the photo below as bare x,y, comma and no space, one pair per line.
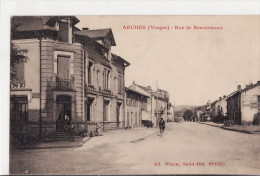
194,66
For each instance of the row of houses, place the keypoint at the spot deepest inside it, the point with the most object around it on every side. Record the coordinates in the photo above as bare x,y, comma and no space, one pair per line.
71,74
241,106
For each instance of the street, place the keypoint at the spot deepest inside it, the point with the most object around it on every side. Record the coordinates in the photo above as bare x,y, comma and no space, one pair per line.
185,148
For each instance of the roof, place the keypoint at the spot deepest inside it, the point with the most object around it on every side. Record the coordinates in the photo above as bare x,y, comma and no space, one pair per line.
33,23
160,96
98,34
140,92
121,59
248,87
147,89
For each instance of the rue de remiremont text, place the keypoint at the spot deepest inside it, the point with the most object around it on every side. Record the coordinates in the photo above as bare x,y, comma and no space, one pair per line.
168,28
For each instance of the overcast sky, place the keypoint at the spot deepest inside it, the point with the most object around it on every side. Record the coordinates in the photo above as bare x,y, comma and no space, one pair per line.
194,66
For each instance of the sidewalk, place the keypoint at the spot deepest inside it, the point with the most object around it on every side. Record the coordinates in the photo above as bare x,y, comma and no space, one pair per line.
238,128
116,135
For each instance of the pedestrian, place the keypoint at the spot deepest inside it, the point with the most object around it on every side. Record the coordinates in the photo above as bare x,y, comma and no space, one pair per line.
162,126
71,132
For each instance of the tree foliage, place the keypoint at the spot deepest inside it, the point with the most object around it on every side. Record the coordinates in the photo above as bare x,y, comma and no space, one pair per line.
17,55
188,115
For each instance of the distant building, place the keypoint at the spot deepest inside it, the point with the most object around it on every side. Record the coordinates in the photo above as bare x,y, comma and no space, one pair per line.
161,104
157,105
134,106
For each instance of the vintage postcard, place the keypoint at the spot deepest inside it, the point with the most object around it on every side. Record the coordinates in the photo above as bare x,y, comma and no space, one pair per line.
135,94
130,95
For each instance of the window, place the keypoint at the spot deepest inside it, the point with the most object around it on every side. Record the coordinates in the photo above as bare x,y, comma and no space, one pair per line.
119,88
63,64
64,32
19,108
106,79
90,68
19,71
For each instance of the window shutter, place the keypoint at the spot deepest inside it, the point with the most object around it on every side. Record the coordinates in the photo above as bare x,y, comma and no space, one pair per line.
19,72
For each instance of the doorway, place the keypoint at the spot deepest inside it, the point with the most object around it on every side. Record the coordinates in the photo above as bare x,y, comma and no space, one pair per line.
89,108
118,107
63,109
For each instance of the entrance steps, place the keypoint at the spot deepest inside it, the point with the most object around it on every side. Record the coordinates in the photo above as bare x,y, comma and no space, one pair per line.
57,136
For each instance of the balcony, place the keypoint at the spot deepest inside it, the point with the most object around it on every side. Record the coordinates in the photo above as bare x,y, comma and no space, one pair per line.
91,87
106,91
64,84
17,85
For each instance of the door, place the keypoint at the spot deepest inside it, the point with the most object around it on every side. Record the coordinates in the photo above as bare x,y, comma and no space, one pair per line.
63,108
118,114
89,109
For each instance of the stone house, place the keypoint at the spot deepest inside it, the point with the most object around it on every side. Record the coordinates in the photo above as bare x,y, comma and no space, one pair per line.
250,102
104,78
49,85
68,75
134,101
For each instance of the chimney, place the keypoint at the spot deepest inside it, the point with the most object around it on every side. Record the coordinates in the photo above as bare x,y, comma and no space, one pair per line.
239,87
220,98
134,82
85,29
224,96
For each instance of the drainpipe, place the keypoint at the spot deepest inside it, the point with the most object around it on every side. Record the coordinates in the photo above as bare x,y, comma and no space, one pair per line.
40,127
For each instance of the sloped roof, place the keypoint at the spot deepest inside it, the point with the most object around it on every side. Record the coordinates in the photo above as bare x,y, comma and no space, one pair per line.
121,59
250,86
144,88
34,23
139,91
97,34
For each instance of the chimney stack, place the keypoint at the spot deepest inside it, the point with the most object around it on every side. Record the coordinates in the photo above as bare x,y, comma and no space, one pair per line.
134,82
239,87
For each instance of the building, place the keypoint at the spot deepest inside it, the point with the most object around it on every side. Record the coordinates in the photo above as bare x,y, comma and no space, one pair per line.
161,104
104,78
244,104
69,74
49,85
157,105
147,106
135,99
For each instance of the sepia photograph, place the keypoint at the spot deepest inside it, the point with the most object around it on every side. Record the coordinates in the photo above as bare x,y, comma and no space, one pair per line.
149,94
135,95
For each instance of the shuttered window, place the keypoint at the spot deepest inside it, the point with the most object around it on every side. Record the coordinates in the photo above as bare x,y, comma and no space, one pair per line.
64,67
19,70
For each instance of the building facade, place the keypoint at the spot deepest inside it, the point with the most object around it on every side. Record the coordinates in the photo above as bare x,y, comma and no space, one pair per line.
48,86
134,107
250,102
67,76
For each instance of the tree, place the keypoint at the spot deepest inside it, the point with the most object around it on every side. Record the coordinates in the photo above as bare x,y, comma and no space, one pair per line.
188,115
18,55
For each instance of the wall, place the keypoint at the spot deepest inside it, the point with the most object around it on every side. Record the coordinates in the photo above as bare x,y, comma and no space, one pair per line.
48,102
99,63
249,104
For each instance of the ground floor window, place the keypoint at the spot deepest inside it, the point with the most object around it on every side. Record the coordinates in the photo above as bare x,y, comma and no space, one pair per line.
106,110
19,108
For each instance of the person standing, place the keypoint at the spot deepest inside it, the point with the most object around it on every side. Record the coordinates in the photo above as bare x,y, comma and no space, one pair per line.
162,126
